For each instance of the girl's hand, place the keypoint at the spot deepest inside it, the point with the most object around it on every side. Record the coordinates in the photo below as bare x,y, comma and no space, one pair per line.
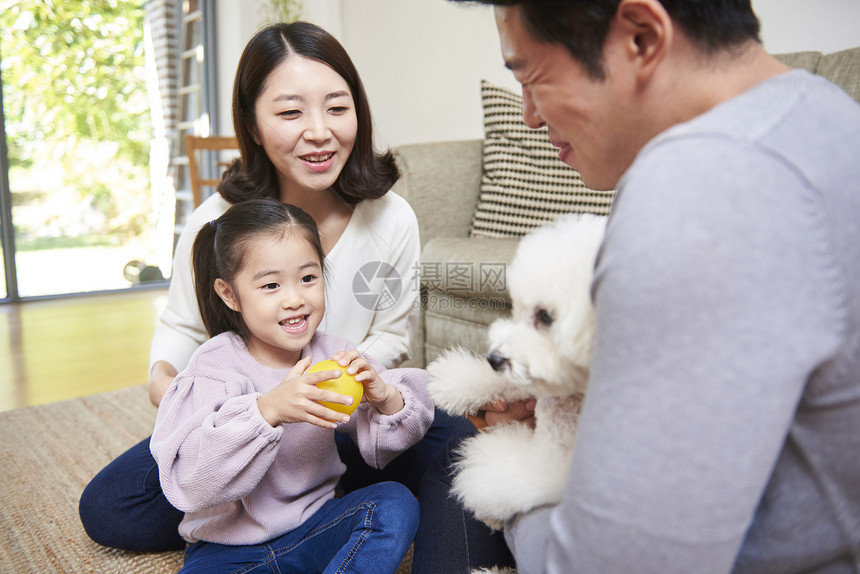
384,397
295,399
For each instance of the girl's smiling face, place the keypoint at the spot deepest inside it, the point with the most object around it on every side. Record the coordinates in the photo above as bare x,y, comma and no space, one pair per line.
280,293
306,121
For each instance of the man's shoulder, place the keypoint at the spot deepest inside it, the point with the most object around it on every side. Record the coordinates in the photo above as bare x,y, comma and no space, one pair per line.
796,98
775,122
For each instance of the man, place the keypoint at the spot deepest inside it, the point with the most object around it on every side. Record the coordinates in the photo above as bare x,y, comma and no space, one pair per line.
721,430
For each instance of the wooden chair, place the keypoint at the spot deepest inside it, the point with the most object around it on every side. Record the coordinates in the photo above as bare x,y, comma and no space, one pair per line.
203,144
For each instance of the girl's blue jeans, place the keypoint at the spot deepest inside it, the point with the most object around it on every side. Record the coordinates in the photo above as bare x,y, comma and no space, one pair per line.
368,530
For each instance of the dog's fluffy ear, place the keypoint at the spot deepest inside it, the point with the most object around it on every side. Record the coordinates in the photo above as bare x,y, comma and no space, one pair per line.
462,383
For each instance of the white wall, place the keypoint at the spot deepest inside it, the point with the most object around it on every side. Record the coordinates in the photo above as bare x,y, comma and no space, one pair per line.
422,64
235,23
821,25
422,60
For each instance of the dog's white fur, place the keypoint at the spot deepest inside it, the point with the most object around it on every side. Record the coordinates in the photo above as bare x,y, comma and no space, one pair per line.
545,353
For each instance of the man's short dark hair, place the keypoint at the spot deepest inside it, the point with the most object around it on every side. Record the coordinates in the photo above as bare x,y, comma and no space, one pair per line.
581,26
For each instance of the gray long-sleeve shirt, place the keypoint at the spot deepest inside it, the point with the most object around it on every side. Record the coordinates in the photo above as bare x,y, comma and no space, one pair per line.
721,431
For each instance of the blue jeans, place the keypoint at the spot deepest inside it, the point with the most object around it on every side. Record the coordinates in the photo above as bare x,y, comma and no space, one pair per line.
368,530
449,538
124,507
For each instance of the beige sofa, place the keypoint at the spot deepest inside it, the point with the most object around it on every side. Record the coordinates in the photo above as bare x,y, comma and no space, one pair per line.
442,182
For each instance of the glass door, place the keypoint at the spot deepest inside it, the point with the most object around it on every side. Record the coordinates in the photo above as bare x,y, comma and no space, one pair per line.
78,129
7,264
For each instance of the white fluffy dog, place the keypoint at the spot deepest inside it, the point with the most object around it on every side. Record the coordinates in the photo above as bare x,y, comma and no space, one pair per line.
543,352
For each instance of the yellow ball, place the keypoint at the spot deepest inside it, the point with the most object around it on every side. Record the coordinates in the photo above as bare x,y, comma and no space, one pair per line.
344,384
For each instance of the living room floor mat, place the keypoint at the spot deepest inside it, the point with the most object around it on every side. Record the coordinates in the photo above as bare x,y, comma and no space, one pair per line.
48,454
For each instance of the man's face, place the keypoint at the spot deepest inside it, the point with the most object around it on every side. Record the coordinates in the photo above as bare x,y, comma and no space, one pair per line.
585,116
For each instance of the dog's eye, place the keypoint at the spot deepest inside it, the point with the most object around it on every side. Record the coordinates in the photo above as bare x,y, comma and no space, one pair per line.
544,318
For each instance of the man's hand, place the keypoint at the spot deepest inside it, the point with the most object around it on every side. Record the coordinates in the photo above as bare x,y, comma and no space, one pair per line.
500,412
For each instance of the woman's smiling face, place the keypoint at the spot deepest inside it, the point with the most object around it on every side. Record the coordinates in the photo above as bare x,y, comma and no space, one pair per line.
306,121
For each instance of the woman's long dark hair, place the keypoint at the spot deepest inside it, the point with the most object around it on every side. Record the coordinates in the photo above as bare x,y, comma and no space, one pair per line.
220,251
366,175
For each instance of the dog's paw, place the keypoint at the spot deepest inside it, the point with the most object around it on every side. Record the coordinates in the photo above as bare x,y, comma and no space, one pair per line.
461,383
502,472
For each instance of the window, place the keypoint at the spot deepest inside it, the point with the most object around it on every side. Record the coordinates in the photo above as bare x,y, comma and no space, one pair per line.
93,117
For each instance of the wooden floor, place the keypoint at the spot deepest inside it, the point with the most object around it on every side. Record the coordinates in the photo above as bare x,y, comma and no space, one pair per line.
67,348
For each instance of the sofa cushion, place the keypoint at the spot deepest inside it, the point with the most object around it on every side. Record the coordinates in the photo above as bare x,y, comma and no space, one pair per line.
524,185
441,181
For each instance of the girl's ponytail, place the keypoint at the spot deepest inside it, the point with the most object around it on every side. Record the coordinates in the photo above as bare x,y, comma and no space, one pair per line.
217,317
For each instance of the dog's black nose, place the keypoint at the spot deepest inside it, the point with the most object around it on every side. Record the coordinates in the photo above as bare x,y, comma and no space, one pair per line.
497,361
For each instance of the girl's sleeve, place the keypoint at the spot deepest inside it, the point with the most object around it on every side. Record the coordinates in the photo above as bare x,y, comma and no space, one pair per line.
381,438
390,334
211,443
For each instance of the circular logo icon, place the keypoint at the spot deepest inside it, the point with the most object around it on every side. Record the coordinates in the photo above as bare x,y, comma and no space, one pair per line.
377,286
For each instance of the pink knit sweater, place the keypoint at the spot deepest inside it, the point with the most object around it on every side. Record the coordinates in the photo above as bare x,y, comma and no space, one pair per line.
238,479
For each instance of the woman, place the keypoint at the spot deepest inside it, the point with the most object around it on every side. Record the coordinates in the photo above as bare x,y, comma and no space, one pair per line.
282,141
304,130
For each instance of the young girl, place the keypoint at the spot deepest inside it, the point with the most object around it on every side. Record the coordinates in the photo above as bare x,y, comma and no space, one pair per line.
244,446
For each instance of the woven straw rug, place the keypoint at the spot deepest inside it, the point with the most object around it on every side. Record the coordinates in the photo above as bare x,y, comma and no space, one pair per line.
48,454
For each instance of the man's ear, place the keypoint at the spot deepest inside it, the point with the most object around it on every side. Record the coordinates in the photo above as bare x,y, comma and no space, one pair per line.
223,289
647,31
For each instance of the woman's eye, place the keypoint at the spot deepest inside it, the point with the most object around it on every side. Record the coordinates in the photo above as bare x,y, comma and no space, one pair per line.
339,110
290,114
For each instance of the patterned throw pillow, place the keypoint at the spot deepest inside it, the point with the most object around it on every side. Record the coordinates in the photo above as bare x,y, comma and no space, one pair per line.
524,185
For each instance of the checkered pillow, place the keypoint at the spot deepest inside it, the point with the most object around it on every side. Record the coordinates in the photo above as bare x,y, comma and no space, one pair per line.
524,185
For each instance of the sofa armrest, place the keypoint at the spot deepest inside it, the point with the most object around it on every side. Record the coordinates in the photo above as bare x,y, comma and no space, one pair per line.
468,267
441,181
